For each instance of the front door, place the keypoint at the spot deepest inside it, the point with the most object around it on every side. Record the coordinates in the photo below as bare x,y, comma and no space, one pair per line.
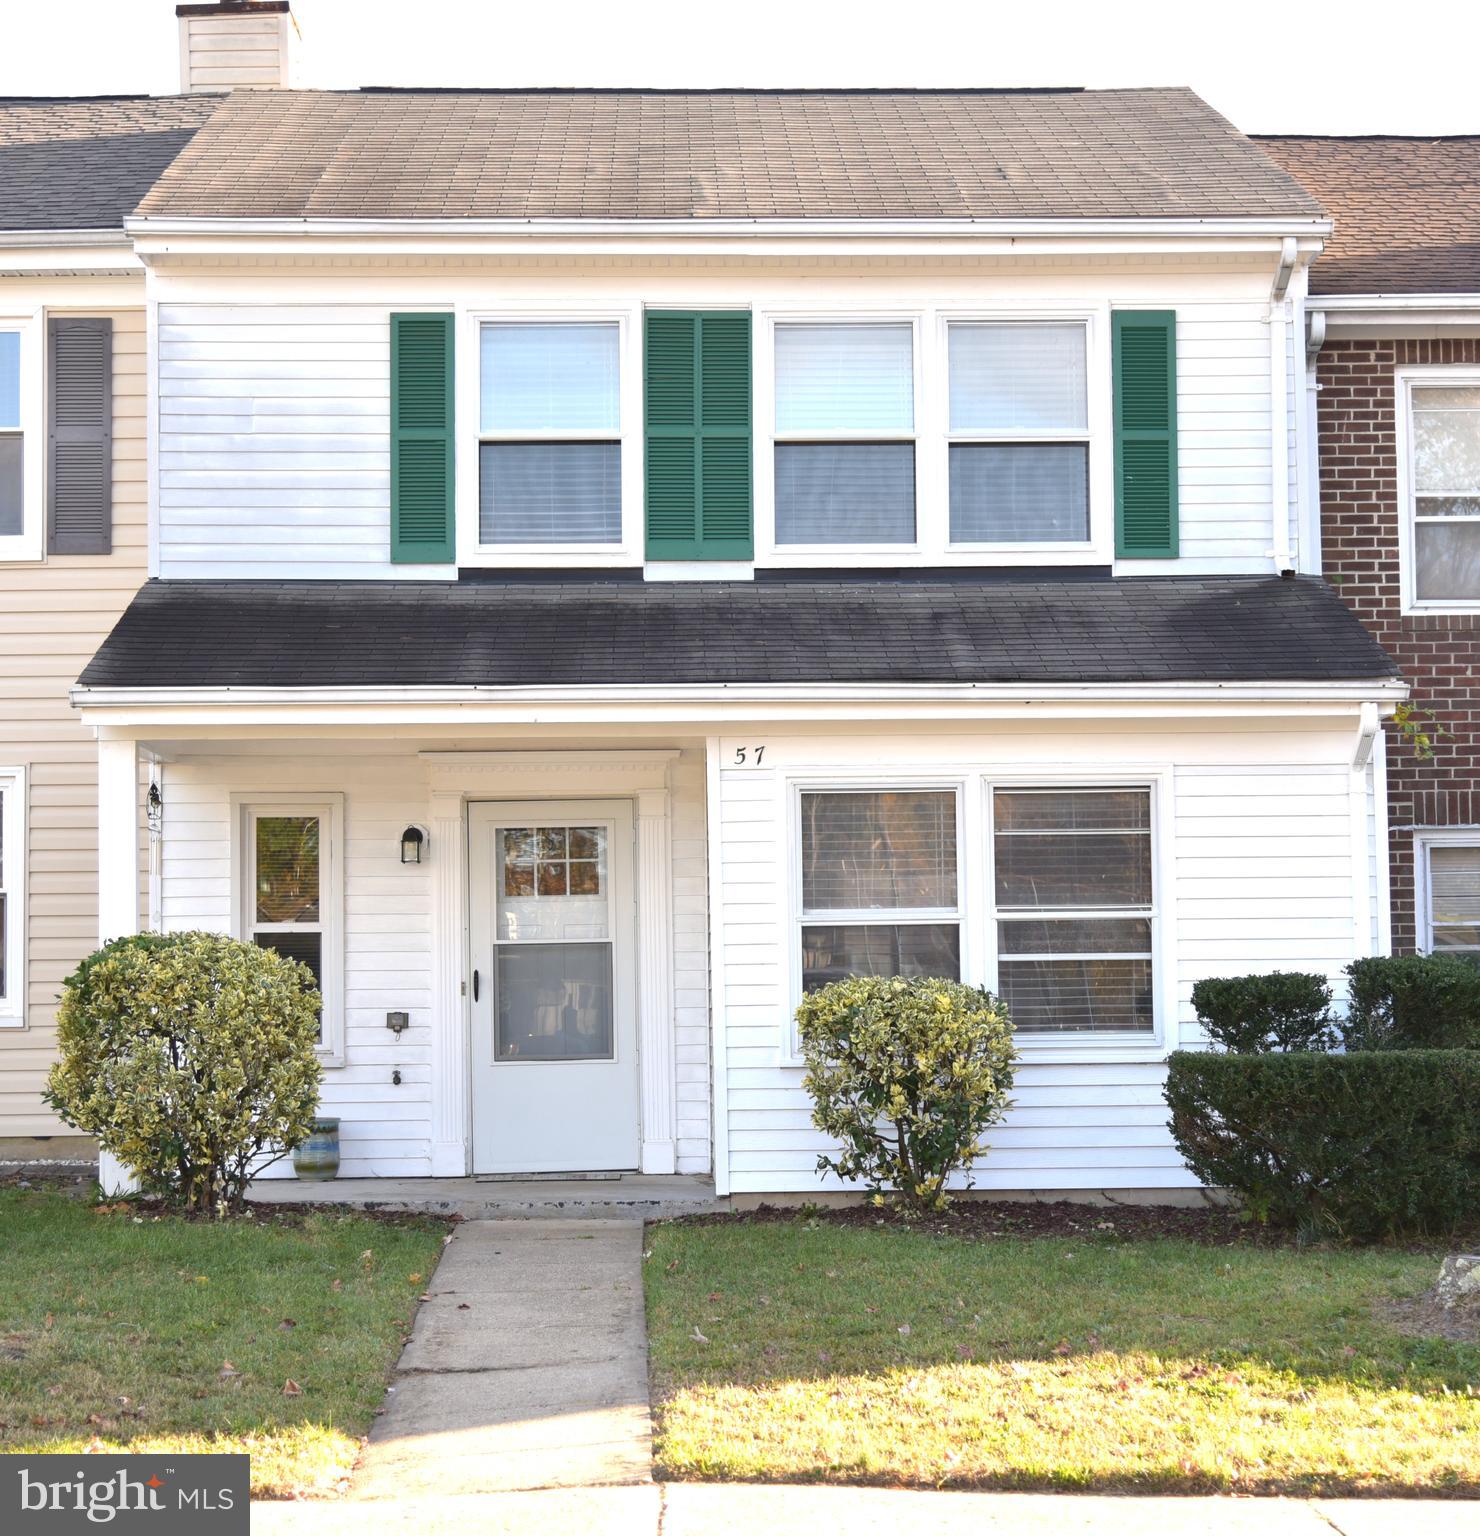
553,994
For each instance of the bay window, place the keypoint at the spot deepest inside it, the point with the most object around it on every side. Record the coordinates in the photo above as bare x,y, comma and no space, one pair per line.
549,452
1443,510
879,886
1019,433
845,427
1073,891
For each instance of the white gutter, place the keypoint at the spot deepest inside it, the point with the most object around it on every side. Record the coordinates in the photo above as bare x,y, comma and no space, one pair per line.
1336,302
59,239
669,229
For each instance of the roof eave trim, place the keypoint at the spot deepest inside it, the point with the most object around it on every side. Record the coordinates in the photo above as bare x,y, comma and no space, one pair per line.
146,226
20,239
1335,303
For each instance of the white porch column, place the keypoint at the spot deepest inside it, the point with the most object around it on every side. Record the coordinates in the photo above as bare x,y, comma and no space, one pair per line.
118,884
655,983
449,1005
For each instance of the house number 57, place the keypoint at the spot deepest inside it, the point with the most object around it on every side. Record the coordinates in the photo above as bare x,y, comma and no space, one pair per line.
748,757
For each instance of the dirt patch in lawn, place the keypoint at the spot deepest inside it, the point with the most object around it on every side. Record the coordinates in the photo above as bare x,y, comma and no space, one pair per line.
1424,1318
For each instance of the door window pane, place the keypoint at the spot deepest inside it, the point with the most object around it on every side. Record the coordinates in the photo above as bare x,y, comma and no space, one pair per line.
553,884
538,378
845,378
1029,493
550,493
845,493
878,849
554,1002
287,864
1006,378
831,952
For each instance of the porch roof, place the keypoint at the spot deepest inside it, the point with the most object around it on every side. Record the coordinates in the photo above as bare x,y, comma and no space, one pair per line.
929,628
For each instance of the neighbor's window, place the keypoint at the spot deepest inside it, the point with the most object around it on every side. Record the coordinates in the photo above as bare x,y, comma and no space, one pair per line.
550,452
1453,898
12,505
292,896
12,886
1019,434
1445,473
879,888
845,427
1075,908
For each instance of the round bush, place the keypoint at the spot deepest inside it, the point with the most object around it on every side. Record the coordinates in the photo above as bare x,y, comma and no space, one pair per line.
1280,1011
907,1073
188,1056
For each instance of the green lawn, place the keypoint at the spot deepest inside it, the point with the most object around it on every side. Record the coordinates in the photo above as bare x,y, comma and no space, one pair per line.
153,1334
810,1351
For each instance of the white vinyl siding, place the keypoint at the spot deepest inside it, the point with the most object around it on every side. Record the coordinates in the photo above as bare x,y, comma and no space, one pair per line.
12,898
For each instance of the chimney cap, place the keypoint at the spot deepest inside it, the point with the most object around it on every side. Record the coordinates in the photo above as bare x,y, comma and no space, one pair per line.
234,8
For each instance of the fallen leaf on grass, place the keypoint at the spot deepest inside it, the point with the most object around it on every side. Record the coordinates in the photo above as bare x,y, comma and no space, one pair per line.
1063,1347
337,1285
288,1322
228,1370
904,1330
698,1337
291,1388
415,1279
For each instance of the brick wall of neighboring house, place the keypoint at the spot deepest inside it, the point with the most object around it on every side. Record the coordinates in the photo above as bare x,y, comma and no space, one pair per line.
1439,653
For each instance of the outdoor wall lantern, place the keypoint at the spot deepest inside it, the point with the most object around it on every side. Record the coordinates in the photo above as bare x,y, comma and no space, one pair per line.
414,842
154,810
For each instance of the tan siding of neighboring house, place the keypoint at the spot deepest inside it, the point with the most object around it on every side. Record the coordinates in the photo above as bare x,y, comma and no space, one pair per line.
52,618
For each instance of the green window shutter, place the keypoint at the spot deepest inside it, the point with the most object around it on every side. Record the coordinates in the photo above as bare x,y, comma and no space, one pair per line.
1144,347
79,437
423,525
697,451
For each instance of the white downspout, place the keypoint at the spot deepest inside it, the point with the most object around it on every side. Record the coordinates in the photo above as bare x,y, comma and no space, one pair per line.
1279,418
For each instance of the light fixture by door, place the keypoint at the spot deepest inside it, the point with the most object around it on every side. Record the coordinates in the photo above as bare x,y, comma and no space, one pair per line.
415,844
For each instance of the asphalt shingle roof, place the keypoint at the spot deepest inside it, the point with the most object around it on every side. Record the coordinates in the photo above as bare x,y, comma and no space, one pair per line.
723,154
84,163
472,633
1407,211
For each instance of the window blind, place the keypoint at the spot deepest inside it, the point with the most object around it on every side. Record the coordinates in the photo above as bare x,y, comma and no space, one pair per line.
1004,493
550,493
559,378
880,849
845,493
845,378
1007,378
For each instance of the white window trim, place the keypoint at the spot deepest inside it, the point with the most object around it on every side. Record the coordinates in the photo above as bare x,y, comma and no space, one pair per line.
1094,435
17,869
977,909
29,545
468,392
765,437
330,810
1405,379
1423,842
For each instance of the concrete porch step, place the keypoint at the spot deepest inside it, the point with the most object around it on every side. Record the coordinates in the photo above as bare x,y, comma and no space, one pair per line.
632,1197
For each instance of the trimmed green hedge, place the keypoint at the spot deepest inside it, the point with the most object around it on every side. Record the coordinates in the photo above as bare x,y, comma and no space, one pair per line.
1362,1146
1280,1011
1402,1002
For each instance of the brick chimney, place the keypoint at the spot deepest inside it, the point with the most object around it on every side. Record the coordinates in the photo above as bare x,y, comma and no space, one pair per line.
234,45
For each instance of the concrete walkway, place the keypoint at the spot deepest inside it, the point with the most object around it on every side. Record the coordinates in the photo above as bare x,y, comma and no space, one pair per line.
526,1369
718,1509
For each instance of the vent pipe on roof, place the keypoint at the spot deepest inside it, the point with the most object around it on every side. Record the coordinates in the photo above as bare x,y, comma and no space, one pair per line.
234,45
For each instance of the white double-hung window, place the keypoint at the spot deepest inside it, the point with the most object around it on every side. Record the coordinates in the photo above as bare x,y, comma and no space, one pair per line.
880,891
1018,433
1075,910
1449,887
549,450
845,433
1441,516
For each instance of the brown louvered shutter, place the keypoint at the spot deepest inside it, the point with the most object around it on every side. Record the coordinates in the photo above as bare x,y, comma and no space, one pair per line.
79,444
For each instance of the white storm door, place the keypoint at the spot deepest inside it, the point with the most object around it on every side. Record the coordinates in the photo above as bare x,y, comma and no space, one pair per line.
553,987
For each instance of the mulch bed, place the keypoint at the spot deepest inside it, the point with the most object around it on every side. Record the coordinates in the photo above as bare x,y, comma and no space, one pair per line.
1424,1318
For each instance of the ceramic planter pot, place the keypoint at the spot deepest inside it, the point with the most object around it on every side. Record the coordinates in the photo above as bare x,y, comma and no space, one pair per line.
318,1157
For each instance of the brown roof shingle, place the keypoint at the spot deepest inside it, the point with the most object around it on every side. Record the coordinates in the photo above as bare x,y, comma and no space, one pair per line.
84,163
1407,211
580,154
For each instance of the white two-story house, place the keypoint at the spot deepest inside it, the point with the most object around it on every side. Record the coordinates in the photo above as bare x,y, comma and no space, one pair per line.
619,559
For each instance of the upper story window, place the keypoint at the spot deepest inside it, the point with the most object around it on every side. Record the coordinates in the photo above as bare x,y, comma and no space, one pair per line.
845,434
550,452
1443,493
1018,434
12,439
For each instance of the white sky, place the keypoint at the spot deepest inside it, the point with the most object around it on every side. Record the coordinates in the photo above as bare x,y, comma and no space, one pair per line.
1310,66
